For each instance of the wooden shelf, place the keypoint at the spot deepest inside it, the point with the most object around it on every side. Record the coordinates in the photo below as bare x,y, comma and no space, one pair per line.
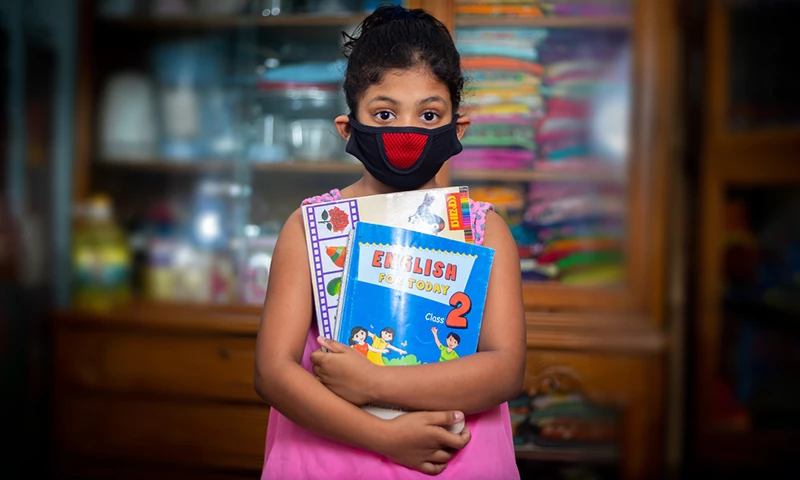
540,454
226,22
173,316
511,175
750,450
331,166
554,296
545,330
543,22
203,165
610,332
167,166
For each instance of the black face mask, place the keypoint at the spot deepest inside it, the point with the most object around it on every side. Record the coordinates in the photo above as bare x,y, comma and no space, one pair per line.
404,158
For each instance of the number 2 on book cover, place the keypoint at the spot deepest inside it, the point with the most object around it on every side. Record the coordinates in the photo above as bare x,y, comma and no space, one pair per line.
457,316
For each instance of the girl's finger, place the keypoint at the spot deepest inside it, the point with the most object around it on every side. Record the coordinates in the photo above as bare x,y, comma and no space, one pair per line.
432,468
315,357
441,456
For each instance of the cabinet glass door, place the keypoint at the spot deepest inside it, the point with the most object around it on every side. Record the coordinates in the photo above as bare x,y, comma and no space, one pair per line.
762,90
754,390
212,120
549,95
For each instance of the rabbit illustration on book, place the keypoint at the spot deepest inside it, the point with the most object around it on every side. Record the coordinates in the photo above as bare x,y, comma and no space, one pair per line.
425,216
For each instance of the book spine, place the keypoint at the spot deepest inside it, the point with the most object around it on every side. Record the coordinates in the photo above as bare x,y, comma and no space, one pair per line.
466,214
312,246
325,311
343,291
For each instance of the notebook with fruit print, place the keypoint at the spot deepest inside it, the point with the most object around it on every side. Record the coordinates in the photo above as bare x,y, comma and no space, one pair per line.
439,211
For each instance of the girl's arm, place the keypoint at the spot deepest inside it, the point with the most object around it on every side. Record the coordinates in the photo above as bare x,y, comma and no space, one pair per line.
416,440
279,378
373,349
398,350
476,382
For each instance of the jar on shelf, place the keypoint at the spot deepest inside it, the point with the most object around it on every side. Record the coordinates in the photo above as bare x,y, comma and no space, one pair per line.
294,122
194,107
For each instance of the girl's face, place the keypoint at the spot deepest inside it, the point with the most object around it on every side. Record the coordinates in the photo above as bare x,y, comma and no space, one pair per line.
405,98
387,336
360,336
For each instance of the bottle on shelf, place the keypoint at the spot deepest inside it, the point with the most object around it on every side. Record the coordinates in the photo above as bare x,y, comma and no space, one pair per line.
101,258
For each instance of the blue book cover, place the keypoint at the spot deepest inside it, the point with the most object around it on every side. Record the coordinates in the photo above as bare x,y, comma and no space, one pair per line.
410,297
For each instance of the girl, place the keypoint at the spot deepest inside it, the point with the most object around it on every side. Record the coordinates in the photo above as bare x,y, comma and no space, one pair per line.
403,78
381,344
358,337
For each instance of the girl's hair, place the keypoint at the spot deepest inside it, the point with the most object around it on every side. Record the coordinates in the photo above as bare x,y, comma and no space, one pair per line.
393,37
353,332
388,330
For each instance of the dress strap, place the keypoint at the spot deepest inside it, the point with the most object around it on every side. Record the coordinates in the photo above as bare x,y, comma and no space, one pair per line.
477,212
331,196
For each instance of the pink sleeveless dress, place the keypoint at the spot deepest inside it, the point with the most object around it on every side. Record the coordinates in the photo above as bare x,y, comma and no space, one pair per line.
294,453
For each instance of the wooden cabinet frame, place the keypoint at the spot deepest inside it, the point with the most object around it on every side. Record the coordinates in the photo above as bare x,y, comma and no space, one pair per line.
627,321
757,158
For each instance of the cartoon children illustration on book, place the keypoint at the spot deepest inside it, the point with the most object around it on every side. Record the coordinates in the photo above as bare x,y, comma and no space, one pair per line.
424,215
448,352
358,336
382,344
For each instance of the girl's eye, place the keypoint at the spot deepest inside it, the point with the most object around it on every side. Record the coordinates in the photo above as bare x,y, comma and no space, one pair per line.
429,116
385,116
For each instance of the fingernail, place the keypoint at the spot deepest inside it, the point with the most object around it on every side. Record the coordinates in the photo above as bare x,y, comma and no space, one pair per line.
320,339
458,416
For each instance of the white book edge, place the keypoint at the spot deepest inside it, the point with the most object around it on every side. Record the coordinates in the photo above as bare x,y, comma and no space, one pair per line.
389,413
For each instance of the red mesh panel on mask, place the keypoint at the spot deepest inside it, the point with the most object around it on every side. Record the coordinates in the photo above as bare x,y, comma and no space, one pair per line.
403,149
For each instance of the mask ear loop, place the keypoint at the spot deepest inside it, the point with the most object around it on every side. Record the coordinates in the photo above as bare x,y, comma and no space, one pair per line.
417,164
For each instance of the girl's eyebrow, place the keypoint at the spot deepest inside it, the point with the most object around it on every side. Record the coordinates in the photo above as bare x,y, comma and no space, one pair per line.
382,98
433,99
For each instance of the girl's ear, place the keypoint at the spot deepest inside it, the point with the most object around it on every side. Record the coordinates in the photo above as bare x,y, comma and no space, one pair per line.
461,126
343,126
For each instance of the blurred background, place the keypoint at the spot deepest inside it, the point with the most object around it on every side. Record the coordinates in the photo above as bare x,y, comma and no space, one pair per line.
643,153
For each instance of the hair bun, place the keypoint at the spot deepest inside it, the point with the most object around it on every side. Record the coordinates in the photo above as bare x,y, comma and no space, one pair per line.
389,13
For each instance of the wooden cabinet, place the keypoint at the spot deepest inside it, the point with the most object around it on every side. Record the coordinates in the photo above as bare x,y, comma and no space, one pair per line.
623,381
155,388
167,387
215,367
742,400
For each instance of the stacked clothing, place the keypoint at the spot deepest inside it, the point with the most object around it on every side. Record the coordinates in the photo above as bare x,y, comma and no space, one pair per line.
584,8
554,415
539,8
580,75
508,200
502,97
573,422
529,8
573,233
553,100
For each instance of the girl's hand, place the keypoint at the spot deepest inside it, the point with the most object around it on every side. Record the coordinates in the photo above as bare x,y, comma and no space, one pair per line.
344,371
420,440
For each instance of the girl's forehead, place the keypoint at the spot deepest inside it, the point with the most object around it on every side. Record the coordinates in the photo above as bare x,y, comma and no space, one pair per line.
407,86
